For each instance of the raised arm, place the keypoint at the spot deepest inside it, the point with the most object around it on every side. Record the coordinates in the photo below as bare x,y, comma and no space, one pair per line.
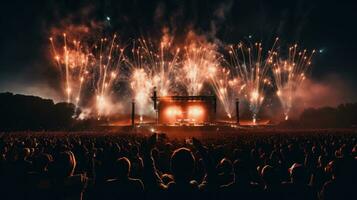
152,180
211,177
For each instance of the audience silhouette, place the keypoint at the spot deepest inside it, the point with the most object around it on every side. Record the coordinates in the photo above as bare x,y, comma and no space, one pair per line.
270,166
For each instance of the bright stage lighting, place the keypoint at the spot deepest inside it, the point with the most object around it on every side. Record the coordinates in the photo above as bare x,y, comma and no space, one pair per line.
195,112
189,114
186,110
173,111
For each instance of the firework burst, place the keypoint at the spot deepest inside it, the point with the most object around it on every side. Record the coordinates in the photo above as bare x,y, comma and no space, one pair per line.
289,73
152,67
91,65
72,61
90,68
250,65
199,60
222,85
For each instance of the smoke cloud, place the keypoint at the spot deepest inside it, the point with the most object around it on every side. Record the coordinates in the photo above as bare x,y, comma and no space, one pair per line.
331,90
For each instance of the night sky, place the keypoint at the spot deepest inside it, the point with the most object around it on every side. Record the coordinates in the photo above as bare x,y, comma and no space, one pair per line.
327,26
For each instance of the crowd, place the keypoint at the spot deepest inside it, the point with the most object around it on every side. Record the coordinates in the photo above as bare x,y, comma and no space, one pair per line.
245,166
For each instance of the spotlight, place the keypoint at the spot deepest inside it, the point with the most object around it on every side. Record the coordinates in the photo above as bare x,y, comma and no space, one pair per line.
173,111
195,112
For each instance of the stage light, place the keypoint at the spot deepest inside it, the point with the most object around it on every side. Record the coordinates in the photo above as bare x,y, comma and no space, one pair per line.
195,112
173,111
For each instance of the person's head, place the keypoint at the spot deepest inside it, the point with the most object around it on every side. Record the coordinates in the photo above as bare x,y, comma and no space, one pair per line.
182,164
314,149
155,153
225,166
335,168
344,151
354,151
269,175
24,153
116,149
64,164
41,162
322,161
122,167
298,173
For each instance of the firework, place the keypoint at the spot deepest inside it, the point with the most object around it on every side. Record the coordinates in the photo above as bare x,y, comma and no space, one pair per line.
141,86
152,67
90,68
222,86
72,61
110,59
250,66
94,65
289,73
198,60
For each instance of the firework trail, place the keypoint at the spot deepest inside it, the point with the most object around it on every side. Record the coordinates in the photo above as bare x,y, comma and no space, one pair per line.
90,68
72,60
250,65
110,59
198,60
92,64
141,87
289,74
152,67
222,85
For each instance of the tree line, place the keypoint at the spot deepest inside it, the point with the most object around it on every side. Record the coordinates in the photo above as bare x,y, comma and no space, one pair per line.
21,112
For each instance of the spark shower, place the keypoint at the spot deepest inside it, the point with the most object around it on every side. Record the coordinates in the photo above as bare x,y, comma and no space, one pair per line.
90,70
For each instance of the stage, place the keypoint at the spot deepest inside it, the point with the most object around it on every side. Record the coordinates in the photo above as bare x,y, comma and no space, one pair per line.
185,130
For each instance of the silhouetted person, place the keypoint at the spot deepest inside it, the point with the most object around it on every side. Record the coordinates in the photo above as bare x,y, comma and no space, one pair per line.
14,177
182,165
122,186
319,176
39,182
66,185
241,187
225,172
342,184
136,162
272,184
298,187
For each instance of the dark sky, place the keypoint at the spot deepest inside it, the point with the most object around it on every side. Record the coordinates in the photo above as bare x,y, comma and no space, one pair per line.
324,25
